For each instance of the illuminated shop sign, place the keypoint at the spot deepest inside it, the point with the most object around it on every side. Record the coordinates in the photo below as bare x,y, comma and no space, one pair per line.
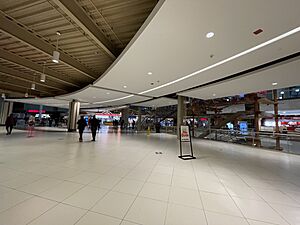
35,111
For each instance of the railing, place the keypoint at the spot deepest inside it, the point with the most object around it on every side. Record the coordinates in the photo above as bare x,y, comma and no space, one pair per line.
289,142
284,142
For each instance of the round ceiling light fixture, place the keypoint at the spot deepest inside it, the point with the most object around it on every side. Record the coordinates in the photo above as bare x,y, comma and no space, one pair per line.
124,86
274,83
210,34
282,92
149,73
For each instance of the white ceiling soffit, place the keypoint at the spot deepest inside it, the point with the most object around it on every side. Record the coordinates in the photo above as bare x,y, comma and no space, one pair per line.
285,75
174,47
98,97
44,101
159,102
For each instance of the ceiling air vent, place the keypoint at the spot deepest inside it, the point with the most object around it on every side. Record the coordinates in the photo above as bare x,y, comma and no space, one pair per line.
258,31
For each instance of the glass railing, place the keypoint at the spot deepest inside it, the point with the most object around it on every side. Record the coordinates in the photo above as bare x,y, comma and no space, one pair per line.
289,143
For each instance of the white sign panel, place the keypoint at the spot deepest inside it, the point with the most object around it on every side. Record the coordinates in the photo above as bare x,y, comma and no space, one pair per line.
184,133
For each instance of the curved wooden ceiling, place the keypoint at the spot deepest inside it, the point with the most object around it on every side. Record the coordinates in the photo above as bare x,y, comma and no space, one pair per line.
93,34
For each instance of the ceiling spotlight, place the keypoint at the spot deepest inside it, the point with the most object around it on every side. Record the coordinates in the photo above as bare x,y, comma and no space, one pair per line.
297,90
274,83
124,86
214,94
107,93
280,97
149,73
55,57
210,34
26,95
282,92
3,96
33,86
43,78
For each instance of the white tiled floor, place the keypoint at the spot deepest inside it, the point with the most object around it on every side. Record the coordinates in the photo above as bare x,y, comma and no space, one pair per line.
119,180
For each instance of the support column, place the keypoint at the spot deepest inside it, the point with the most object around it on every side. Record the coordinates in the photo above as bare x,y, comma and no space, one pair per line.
256,122
6,108
74,107
40,112
125,116
275,97
180,113
139,121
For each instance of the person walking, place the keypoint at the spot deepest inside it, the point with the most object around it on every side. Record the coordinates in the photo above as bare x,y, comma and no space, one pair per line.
31,123
94,127
9,124
81,126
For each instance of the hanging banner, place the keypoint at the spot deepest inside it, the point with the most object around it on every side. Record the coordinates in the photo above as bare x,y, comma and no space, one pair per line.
184,133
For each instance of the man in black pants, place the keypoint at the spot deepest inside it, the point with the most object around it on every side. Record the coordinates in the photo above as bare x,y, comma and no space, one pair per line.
94,127
81,126
9,124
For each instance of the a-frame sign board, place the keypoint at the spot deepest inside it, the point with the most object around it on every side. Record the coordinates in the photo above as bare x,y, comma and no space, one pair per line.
185,136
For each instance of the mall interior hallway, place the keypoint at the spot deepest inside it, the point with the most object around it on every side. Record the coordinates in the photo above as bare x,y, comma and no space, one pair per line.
52,179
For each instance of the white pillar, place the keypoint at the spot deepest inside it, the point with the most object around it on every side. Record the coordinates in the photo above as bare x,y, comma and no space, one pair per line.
6,109
139,121
74,108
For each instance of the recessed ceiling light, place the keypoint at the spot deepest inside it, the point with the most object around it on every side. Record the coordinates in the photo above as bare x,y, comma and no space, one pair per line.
297,90
282,92
149,73
210,34
214,94
124,86
274,83
107,93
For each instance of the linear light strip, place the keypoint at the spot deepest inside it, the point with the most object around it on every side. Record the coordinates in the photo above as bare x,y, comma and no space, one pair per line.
226,60
112,100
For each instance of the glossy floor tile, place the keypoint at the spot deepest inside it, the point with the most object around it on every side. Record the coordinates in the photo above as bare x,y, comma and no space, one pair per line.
119,180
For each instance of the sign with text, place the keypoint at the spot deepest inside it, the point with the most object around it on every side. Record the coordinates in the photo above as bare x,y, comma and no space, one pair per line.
184,133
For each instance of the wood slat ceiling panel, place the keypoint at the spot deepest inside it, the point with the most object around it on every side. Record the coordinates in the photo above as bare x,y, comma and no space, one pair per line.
44,18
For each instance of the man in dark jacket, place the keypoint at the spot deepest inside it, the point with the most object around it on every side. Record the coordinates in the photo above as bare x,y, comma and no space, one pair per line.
94,127
9,123
81,126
